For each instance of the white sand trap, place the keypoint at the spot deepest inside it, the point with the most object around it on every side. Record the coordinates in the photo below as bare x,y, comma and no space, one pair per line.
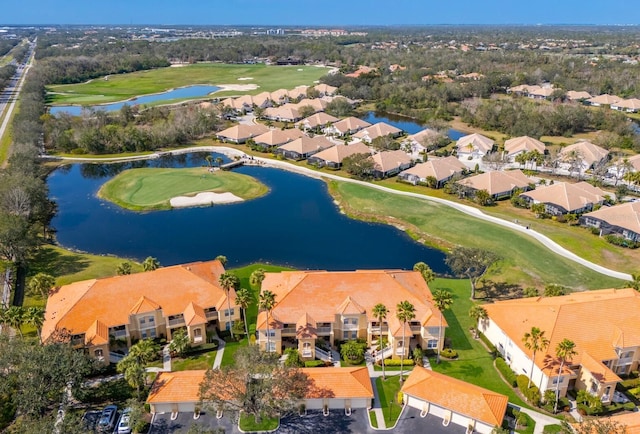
238,87
206,198
245,78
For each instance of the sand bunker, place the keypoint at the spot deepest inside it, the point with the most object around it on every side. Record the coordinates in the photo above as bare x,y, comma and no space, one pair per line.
202,199
245,78
238,87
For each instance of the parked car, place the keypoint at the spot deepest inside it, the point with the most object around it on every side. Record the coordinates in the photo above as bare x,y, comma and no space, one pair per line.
124,426
107,420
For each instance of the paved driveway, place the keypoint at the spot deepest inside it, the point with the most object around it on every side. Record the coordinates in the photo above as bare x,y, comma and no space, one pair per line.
411,422
162,423
336,422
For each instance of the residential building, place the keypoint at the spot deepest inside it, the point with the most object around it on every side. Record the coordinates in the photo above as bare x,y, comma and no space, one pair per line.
582,156
298,92
316,104
627,105
474,146
418,142
325,89
381,129
280,96
101,314
603,100
389,163
573,95
333,157
277,137
350,125
631,421
440,169
603,325
563,198
241,133
540,92
316,121
285,113
498,184
622,220
303,147
334,306
520,145
176,392
454,401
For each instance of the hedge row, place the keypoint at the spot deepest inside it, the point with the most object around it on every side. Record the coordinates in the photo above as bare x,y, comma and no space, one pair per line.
314,363
531,393
396,362
506,371
492,348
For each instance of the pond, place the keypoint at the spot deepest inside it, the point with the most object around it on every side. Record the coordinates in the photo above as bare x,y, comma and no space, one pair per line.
409,125
295,224
182,92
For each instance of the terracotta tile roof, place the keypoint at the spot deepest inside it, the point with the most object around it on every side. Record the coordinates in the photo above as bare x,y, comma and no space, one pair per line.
439,168
597,321
330,291
339,383
350,307
588,152
78,305
337,153
242,131
626,215
458,396
306,144
306,327
317,120
497,182
97,334
277,137
374,131
179,386
477,141
144,304
389,160
194,314
350,124
570,197
524,143
604,99
630,420
598,369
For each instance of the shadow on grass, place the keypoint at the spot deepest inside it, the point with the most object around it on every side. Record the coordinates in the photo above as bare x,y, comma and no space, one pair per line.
52,262
455,332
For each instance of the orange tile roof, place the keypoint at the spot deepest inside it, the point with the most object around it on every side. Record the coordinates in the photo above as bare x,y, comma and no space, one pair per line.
179,386
597,321
78,305
194,314
328,291
306,327
144,305
351,307
456,395
630,420
339,383
97,334
598,369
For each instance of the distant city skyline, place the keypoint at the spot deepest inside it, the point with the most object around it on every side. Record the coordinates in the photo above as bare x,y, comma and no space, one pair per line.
325,13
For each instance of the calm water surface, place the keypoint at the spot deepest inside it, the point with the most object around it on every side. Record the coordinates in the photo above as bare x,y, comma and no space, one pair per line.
183,92
295,224
407,124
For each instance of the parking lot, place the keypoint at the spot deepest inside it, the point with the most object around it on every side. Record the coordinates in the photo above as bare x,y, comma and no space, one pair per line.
90,419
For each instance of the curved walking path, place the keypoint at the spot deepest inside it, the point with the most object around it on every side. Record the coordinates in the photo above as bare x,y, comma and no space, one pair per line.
469,210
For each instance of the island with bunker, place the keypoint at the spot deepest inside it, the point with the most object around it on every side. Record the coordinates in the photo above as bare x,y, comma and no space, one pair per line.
149,189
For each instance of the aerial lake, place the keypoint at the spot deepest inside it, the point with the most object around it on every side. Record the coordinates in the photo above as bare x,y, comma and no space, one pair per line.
182,92
409,125
296,224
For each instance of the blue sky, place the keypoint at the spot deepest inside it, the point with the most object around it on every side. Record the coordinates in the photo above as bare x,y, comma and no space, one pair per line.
324,12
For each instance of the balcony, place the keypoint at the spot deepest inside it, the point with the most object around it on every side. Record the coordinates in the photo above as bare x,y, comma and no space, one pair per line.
176,321
416,329
350,327
323,330
118,333
399,351
307,353
625,361
376,329
197,339
288,330
211,314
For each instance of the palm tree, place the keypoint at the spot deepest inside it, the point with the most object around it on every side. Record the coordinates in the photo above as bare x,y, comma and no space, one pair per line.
257,277
41,284
634,282
219,161
267,302
478,313
405,311
535,341
150,264
145,351
442,300
34,316
243,299
380,312
209,159
427,273
222,259
229,281
14,318
565,349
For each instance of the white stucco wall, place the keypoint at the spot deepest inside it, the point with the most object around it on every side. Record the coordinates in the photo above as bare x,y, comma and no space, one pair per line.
458,419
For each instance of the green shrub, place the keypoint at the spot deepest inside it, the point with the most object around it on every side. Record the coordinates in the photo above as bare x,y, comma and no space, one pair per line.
396,362
313,363
506,371
492,349
629,406
623,242
595,231
531,393
449,353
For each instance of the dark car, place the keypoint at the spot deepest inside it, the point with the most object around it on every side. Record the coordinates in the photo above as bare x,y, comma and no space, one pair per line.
107,419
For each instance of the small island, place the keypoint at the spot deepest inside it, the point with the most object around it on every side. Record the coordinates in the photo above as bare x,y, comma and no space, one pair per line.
156,189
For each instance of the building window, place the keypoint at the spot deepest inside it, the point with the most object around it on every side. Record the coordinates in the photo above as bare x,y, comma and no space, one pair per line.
594,387
432,344
197,333
98,353
229,312
350,321
149,333
349,334
557,380
271,348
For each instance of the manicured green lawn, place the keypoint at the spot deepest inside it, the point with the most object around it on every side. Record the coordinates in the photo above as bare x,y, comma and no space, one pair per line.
197,361
125,86
388,392
524,261
373,418
474,364
248,423
152,188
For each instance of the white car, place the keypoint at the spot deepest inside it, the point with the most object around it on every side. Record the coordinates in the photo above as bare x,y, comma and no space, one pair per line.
123,426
